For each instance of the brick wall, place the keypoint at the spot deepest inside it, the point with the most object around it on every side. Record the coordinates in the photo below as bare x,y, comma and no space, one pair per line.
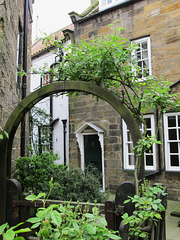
158,19
10,94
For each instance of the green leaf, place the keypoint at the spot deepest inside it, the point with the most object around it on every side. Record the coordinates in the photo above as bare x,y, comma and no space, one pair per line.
19,224
35,225
125,216
56,218
89,215
142,235
34,220
102,220
91,229
76,227
23,230
9,235
154,206
19,238
34,197
113,236
2,227
126,201
157,215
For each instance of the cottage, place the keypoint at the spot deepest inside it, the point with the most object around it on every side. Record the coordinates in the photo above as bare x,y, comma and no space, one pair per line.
154,26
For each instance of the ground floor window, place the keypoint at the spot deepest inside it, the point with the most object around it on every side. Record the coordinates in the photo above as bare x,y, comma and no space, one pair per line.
149,156
172,141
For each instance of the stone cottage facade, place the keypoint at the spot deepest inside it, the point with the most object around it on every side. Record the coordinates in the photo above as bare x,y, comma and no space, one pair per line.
154,26
15,54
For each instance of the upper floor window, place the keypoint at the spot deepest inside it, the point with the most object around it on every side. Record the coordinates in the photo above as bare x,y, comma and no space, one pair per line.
142,56
172,141
149,155
103,4
45,80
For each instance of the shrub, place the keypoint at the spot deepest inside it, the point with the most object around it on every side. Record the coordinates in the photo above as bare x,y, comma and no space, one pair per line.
34,174
148,209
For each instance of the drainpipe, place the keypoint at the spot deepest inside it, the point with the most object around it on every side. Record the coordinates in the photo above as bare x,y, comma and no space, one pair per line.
159,152
51,116
24,79
64,121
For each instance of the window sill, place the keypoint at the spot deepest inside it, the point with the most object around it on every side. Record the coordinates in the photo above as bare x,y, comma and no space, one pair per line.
130,172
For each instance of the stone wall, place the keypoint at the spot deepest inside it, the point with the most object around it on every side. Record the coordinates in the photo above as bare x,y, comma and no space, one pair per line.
158,19
10,94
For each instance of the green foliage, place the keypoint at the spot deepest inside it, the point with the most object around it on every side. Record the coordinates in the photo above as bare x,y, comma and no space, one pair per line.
147,209
12,234
2,133
107,62
63,221
34,174
33,171
145,144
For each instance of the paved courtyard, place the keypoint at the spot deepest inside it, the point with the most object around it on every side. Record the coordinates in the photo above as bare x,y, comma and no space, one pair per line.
172,229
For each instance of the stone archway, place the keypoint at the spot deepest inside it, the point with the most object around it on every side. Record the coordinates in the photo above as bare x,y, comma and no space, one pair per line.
26,104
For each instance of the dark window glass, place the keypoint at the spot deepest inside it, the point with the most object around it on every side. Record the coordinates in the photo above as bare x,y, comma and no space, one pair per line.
178,121
174,160
148,122
172,134
173,147
171,121
149,160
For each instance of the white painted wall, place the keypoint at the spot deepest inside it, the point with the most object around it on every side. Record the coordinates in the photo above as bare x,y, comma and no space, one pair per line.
60,107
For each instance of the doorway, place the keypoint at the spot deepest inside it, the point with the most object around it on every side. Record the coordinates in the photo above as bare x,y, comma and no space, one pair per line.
91,144
92,151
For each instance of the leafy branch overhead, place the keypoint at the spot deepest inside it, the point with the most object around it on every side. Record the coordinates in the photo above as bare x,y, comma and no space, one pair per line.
110,62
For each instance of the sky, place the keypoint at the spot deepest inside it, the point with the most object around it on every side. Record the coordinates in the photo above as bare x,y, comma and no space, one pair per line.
52,15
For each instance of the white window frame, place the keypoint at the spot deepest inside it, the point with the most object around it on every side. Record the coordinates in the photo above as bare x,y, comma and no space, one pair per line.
167,142
46,79
140,41
104,4
126,153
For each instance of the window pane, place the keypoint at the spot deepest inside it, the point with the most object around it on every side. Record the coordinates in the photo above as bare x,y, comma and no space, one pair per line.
174,160
173,147
144,54
179,121
149,160
129,136
130,147
172,134
138,56
171,121
148,122
144,45
131,160
103,2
